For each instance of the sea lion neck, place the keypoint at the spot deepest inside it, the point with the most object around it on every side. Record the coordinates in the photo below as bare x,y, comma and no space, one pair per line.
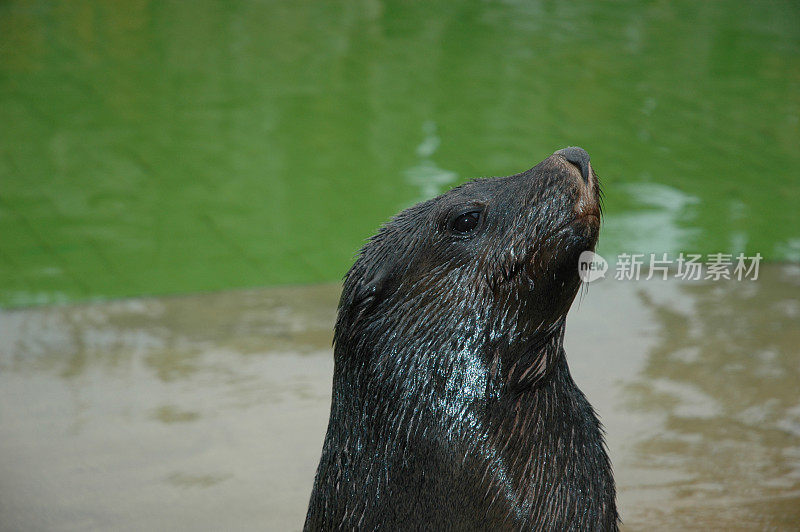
529,362
545,464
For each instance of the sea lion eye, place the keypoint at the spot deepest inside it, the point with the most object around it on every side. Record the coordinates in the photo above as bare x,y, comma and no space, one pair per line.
465,222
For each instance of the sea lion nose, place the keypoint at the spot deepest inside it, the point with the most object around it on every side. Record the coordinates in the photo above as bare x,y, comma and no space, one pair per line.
578,157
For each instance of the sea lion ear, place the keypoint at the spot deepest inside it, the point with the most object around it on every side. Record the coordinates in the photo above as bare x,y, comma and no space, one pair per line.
371,286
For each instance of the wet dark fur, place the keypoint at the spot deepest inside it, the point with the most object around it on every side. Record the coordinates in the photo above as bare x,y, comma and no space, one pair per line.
453,406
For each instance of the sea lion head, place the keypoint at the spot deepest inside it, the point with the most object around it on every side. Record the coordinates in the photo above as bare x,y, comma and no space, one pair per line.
488,269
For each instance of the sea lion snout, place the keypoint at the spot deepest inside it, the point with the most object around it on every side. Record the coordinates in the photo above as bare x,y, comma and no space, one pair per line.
576,161
579,157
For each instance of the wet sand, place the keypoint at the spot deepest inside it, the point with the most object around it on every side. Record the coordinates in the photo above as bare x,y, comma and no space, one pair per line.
208,412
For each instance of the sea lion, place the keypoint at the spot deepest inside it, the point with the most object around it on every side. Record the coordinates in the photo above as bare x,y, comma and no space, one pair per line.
453,407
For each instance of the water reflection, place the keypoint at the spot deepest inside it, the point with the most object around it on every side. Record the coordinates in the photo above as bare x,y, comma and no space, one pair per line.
722,378
218,403
170,335
426,175
659,217
215,404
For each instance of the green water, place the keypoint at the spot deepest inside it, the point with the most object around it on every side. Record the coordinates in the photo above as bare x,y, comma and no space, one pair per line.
151,147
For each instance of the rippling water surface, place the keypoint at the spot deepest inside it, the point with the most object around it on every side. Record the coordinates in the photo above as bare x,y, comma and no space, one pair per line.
149,147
